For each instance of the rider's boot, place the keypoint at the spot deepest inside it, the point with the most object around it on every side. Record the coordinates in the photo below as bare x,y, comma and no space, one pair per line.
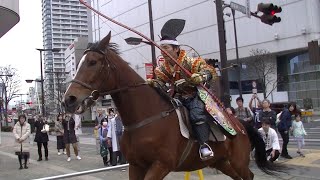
202,131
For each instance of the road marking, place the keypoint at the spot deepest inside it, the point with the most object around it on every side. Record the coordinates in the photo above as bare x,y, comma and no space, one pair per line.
305,161
312,156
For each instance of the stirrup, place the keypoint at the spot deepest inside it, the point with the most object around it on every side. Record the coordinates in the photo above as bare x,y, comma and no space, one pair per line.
207,157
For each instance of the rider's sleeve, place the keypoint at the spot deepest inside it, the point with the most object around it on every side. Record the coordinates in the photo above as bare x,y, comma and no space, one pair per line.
200,66
161,75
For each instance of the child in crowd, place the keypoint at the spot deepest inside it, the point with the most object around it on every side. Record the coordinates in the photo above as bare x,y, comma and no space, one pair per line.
299,133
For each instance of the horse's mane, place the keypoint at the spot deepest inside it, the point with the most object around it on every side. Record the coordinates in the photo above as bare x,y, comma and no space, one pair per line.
114,47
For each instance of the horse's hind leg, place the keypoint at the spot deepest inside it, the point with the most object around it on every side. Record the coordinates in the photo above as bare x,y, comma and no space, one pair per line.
226,168
136,173
157,171
245,173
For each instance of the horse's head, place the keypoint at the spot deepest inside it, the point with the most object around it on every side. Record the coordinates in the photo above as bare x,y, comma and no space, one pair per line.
94,70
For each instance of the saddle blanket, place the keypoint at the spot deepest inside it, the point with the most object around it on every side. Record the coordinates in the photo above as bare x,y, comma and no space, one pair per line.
217,136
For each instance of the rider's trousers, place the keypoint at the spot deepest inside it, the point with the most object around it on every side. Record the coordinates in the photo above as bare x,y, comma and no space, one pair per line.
198,117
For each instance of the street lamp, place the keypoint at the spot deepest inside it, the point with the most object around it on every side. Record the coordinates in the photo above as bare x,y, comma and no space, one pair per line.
20,94
42,94
137,41
42,89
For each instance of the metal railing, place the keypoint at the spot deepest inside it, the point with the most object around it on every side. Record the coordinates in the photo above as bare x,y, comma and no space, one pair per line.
82,173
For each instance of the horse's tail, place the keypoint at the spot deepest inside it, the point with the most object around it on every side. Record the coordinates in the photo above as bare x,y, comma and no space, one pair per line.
260,152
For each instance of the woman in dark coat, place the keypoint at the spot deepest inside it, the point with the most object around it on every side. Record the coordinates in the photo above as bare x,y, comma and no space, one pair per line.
69,136
41,138
284,127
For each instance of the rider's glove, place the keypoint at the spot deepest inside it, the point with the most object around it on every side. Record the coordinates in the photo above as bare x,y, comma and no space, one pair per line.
196,78
180,83
151,82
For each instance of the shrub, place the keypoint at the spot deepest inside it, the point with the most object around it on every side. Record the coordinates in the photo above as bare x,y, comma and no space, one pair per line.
6,129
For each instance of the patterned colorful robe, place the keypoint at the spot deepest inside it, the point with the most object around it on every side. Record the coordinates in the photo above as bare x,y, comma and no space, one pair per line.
169,74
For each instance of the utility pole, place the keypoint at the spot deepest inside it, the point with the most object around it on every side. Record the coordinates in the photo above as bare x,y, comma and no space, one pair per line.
42,88
225,95
237,52
59,92
153,49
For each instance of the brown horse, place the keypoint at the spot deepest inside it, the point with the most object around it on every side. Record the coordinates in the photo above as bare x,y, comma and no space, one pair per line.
152,142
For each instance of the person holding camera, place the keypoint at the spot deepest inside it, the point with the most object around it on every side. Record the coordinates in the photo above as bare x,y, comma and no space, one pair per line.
268,114
256,110
42,129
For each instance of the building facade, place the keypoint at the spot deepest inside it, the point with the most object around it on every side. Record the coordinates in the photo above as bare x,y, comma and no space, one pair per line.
286,41
63,21
73,55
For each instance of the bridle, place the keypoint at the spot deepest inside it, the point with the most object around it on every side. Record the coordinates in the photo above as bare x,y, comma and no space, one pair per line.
108,66
95,94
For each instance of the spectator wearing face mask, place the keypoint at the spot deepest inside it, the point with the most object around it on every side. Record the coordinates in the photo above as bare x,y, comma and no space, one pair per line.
103,131
21,132
99,117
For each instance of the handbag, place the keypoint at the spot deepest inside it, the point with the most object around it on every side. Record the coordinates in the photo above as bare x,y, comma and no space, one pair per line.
45,128
103,149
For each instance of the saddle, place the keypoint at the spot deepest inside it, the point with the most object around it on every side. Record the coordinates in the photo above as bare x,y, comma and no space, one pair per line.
186,128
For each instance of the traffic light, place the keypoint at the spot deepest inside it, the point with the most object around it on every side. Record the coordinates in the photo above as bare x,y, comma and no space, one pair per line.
29,103
269,10
212,62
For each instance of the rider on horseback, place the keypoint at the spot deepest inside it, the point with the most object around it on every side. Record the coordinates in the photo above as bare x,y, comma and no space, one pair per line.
186,87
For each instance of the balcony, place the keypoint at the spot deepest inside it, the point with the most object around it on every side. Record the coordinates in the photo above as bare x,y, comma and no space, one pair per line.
9,15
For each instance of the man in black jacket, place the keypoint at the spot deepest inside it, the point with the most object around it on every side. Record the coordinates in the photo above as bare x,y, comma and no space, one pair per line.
268,114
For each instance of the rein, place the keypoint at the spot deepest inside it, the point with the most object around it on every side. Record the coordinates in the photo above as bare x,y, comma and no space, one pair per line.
95,94
106,63
149,120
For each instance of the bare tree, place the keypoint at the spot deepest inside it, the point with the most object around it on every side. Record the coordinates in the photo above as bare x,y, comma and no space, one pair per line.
261,67
11,83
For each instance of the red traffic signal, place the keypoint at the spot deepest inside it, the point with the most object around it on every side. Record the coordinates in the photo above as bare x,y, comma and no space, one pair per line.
269,10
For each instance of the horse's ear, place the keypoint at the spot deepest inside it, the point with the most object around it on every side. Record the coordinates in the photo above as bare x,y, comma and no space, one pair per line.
105,41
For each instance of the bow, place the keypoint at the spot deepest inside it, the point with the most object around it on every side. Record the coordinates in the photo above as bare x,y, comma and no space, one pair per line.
155,44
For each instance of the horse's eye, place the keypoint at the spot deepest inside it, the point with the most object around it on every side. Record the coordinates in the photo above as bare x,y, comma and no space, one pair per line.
92,63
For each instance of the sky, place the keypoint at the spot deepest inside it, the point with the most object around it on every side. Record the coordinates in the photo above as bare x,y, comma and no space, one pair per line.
18,45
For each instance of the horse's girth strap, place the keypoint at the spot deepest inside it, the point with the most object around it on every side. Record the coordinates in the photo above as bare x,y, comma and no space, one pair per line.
185,152
149,120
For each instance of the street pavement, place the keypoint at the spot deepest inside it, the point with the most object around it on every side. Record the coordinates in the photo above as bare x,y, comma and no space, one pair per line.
307,168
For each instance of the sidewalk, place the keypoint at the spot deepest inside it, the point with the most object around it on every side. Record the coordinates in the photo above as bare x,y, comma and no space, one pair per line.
58,165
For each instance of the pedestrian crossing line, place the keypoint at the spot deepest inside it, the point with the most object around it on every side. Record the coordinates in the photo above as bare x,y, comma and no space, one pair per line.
309,161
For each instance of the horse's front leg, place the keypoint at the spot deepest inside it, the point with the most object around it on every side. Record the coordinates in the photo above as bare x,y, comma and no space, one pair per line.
136,172
157,171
